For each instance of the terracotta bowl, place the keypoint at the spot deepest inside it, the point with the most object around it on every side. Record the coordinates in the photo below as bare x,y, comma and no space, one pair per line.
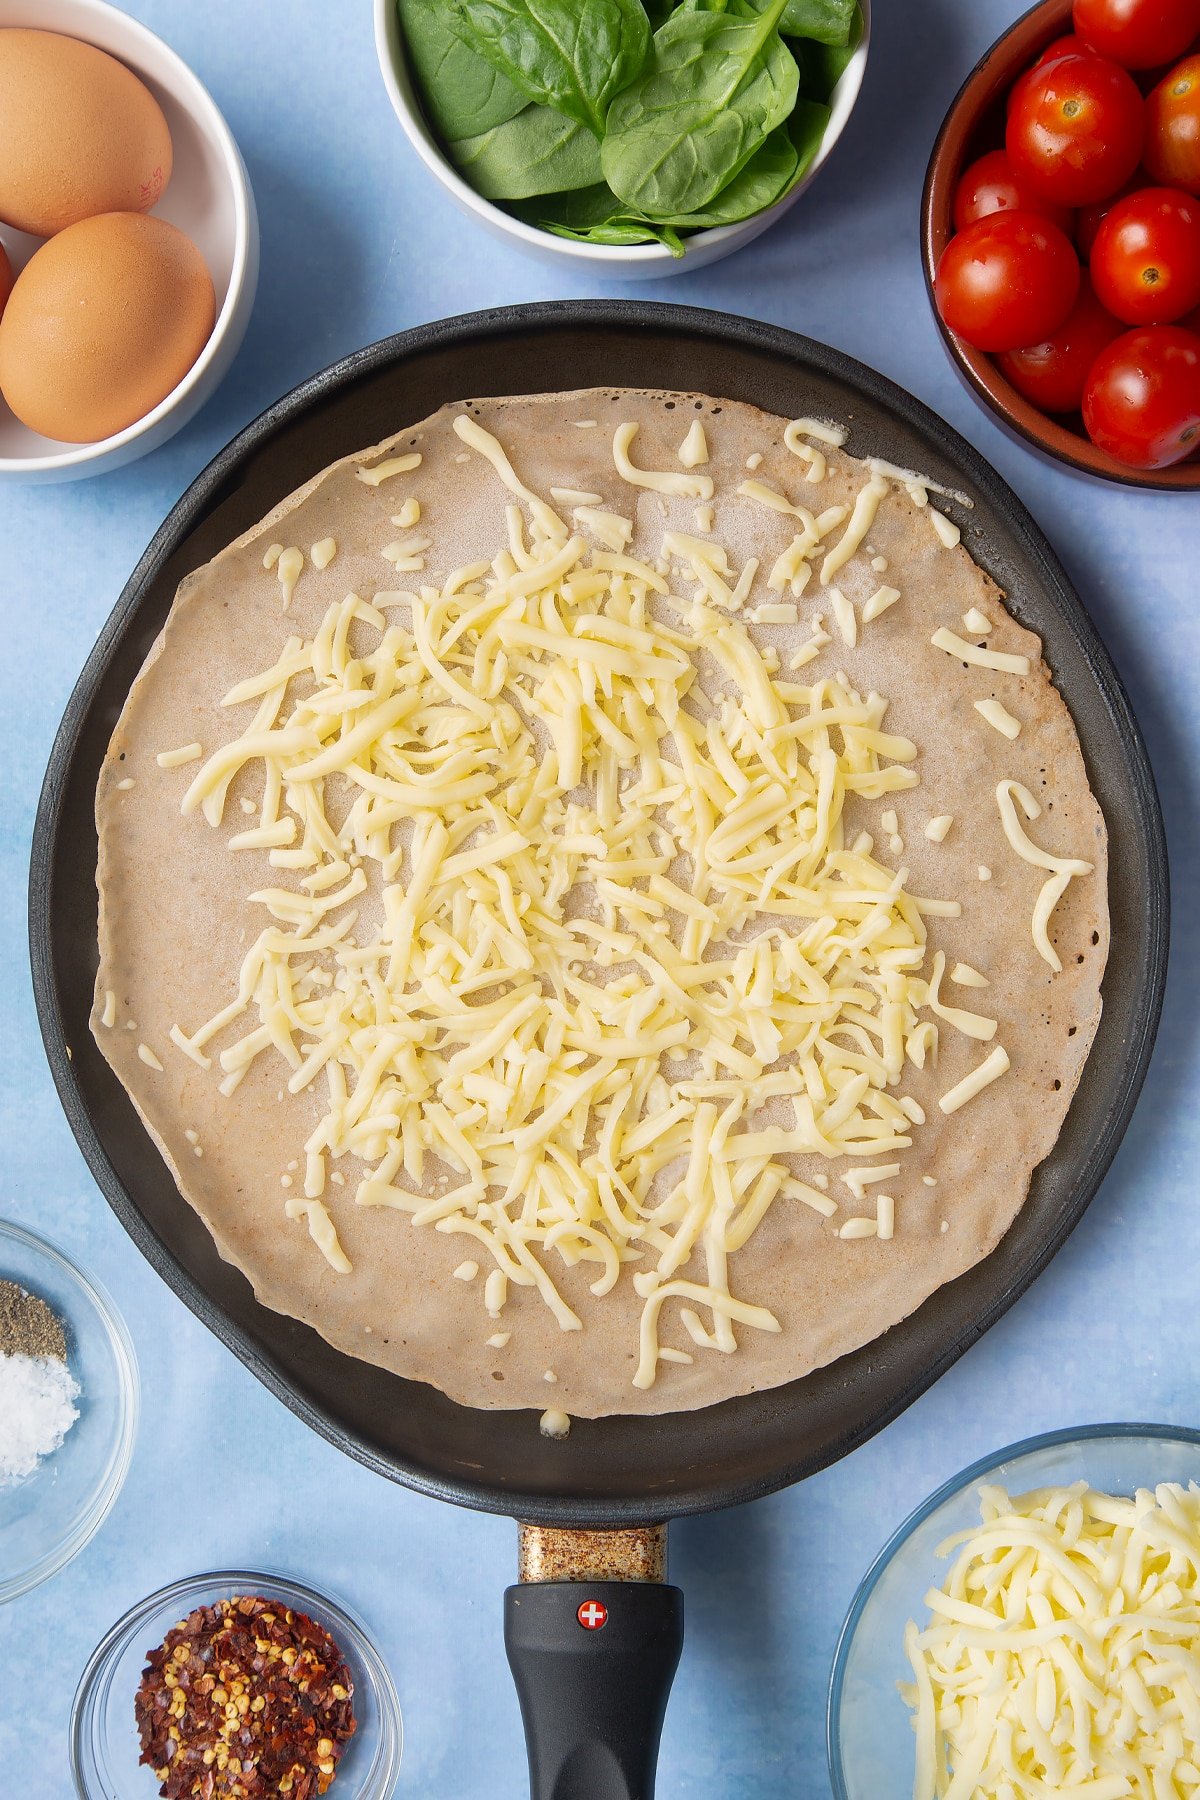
975,123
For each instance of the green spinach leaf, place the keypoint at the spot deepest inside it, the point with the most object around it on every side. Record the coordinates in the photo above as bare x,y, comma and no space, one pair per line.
825,21
830,61
822,66
767,175
594,205
460,92
537,152
595,215
806,128
623,232
715,88
573,57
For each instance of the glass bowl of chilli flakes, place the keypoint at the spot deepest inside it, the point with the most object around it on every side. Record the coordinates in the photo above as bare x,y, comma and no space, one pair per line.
124,1694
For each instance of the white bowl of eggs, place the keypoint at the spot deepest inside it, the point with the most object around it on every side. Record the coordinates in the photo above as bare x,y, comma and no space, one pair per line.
129,240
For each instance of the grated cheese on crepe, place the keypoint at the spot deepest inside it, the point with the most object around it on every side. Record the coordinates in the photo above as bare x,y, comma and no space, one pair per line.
559,928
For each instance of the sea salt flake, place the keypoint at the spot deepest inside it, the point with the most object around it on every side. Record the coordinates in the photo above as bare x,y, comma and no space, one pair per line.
37,1409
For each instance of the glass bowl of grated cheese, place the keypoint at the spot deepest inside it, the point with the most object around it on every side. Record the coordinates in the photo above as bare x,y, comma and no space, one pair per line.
69,1409
1033,1627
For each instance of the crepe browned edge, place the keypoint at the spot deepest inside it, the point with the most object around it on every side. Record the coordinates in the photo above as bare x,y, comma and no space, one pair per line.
175,922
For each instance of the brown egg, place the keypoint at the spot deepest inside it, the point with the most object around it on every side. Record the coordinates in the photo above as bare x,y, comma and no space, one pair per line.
79,134
6,278
101,324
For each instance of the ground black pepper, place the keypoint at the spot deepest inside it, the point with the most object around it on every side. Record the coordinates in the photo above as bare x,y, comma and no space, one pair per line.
245,1700
28,1327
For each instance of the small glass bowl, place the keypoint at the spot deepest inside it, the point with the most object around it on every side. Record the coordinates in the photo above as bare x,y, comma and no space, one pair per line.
870,1739
103,1735
47,1518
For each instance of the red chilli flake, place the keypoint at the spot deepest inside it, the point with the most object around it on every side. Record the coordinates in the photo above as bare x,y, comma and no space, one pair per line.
244,1700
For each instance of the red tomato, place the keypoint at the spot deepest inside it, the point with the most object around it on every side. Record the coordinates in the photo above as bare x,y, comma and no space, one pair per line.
1173,127
1139,34
1007,280
1142,401
1070,45
1089,218
1062,46
1075,129
1053,375
989,186
1146,257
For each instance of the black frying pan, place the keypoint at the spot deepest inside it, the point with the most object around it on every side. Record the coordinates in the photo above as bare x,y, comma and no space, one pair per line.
593,1693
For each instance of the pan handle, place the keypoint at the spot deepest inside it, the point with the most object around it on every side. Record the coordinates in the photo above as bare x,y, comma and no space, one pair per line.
593,1636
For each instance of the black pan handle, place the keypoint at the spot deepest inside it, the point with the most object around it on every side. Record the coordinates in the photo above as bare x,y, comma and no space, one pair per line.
593,1663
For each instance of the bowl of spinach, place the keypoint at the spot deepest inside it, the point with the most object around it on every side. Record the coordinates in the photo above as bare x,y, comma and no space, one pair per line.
645,135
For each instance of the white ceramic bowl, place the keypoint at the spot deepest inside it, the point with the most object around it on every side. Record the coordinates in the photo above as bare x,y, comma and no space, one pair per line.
208,197
638,262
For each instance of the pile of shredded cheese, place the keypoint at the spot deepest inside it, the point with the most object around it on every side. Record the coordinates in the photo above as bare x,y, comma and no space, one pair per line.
621,964
1063,1656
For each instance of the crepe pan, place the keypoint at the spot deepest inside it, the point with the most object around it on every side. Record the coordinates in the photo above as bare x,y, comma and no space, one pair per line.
595,1632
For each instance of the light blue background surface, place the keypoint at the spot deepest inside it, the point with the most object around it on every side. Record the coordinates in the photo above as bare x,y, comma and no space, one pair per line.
358,242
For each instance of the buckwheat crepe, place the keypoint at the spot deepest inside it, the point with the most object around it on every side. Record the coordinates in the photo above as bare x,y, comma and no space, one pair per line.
176,919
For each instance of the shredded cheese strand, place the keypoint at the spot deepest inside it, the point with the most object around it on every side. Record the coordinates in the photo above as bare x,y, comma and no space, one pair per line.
1063,869
659,481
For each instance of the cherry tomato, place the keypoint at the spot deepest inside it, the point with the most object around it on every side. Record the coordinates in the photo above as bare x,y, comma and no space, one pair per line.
1007,280
1070,45
1142,400
1139,34
1075,129
1173,127
1146,257
1062,46
1089,218
989,186
1054,374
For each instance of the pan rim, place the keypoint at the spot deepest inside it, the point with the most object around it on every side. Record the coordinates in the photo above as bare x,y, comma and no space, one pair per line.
337,379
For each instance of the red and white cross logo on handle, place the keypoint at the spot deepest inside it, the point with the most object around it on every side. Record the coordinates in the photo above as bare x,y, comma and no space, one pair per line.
592,1615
